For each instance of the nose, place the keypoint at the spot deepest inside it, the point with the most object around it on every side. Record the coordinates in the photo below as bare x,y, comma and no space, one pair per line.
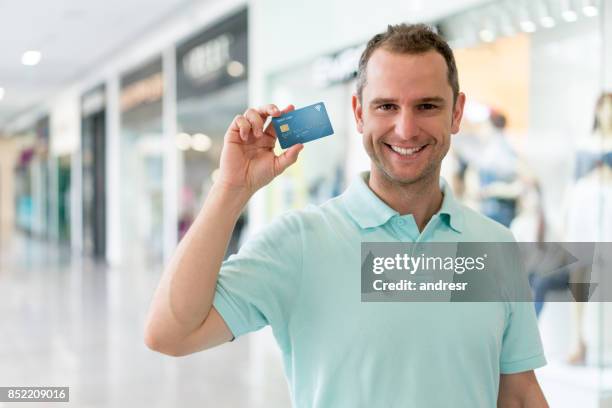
406,125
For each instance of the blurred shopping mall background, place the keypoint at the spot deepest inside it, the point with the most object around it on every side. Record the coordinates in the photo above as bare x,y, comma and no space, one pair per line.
112,115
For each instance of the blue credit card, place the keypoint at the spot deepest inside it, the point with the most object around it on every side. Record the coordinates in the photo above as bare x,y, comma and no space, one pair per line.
302,125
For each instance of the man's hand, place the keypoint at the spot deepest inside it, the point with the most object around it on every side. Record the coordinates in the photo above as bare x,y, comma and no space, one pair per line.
248,161
520,390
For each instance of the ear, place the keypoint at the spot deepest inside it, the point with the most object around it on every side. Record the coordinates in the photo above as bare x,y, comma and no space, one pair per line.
458,113
358,112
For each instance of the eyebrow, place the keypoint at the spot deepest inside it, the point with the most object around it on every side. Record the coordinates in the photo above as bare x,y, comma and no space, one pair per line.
429,99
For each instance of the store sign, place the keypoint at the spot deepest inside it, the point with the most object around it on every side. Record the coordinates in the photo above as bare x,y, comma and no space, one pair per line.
93,101
337,68
142,88
207,60
145,91
214,58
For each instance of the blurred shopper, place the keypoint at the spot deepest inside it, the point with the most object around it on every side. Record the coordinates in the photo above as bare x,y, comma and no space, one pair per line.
530,226
488,172
301,274
590,205
498,172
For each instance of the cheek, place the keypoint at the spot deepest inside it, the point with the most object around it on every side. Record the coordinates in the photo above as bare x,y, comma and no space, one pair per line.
439,127
376,127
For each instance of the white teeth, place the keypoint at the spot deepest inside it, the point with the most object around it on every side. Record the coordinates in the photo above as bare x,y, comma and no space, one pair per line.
406,152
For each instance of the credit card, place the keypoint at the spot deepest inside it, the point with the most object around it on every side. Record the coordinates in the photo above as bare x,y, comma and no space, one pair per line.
302,125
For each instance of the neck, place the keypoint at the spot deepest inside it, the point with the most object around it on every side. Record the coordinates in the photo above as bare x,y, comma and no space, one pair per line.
422,198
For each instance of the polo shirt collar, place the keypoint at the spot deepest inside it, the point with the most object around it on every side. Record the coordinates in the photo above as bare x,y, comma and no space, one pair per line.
369,211
451,209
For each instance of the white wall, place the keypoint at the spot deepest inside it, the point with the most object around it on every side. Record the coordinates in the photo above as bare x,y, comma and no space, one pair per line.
285,32
565,81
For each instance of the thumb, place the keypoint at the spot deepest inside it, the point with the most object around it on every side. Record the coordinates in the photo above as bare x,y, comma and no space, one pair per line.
287,158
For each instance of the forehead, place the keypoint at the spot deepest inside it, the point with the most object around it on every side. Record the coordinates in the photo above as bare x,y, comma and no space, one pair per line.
401,75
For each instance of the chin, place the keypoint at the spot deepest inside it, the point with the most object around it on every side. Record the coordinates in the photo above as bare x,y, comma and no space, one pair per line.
402,177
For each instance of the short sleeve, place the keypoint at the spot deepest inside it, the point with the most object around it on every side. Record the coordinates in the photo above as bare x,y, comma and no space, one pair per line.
521,344
257,286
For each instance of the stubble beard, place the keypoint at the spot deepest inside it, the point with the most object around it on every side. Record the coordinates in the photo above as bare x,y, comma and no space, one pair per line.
428,175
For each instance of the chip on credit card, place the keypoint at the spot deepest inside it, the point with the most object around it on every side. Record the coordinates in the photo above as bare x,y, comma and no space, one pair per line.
302,125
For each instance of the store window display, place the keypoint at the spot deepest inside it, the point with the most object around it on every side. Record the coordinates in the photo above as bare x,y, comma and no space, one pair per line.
589,209
545,80
142,164
212,84
496,164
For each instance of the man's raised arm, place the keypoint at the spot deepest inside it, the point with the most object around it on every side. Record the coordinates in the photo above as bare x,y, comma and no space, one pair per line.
181,317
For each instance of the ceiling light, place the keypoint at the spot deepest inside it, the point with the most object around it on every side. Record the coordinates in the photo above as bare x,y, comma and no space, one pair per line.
528,26
590,11
183,141
31,58
547,21
201,142
486,35
544,14
569,15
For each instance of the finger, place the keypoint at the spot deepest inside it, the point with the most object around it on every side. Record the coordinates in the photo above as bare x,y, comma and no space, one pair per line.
269,110
286,159
267,113
254,117
244,127
288,108
269,130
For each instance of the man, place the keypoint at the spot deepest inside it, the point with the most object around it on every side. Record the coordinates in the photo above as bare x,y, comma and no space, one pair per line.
301,275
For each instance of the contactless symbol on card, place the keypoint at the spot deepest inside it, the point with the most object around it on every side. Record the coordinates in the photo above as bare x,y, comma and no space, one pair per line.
302,125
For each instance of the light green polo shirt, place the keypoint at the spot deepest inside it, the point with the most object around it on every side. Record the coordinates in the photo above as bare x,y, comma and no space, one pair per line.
302,276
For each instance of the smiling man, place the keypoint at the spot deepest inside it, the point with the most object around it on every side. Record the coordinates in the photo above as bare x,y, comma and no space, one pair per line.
302,274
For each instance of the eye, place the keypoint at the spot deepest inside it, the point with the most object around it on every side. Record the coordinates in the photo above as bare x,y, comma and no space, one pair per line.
386,107
427,106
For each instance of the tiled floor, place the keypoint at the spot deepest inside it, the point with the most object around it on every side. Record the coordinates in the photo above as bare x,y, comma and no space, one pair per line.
69,322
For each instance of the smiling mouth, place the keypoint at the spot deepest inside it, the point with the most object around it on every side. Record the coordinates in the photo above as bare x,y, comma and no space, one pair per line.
406,152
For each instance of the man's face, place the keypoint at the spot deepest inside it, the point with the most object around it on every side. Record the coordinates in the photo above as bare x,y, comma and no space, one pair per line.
406,114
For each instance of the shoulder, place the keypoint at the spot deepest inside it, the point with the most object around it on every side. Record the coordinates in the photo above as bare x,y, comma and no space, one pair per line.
478,227
311,218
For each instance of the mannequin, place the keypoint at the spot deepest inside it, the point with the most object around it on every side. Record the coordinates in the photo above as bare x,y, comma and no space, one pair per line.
592,224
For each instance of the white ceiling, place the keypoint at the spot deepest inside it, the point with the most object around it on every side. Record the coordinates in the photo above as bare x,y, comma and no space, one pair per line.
74,36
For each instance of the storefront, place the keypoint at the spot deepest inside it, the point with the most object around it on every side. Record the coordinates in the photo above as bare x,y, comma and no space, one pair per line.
532,155
141,164
329,164
93,161
23,173
32,181
212,86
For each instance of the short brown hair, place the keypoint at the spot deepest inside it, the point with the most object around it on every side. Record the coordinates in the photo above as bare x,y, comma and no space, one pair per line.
409,39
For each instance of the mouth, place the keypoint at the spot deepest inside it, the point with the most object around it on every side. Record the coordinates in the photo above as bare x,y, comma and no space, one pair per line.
409,152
